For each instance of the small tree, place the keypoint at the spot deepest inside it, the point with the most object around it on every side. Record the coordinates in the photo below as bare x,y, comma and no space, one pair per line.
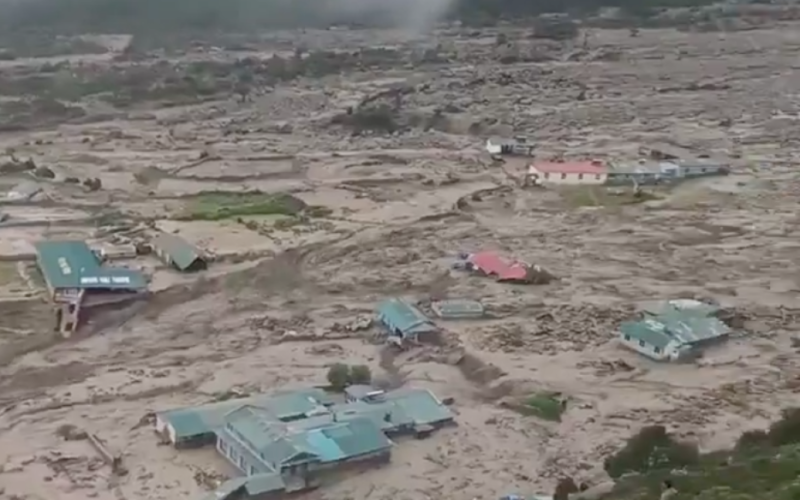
752,441
339,376
651,449
360,374
787,429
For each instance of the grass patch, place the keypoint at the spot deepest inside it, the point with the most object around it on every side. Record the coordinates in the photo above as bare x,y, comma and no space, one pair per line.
214,206
602,196
545,405
771,476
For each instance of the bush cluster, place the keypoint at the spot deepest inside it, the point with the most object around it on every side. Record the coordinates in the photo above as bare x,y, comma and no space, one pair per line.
341,375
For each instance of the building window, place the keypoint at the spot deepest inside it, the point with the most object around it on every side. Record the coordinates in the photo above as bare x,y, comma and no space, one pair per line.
641,343
563,176
703,170
597,177
627,337
657,350
546,175
252,470
580,177
222,446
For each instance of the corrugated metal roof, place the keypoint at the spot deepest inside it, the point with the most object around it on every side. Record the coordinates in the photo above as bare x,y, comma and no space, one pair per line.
357,437
72,264
649,331
404,317
264,483
492,263
256,484
420,405
204,419
458,308
327,449
690,329
182,254
682,327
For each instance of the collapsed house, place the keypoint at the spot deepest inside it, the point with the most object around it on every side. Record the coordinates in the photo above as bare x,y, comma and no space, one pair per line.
292,441
404,322
508,271
674,330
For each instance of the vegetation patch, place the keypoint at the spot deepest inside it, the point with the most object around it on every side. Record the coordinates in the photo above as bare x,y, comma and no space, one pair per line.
763,465
341,375
222,205
545,405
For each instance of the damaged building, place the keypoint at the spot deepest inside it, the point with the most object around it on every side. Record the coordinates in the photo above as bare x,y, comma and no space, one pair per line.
77,282
674,330
292,441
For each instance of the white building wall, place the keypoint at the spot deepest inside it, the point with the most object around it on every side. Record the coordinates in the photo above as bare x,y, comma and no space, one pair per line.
569,179
493,148
670,353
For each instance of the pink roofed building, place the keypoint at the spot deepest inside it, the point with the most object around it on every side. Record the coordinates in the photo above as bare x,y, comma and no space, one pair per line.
589,172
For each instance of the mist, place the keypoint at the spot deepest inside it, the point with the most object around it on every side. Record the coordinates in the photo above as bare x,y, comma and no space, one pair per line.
247,15
413,15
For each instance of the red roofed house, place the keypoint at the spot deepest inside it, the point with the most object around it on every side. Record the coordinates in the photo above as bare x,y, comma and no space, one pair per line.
589,172
492,264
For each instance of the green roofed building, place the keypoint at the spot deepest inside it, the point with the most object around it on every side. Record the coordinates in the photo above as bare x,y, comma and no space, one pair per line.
674,330
179,253
289,441
75,278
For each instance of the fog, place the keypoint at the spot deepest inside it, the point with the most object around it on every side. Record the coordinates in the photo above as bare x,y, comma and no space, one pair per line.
416,15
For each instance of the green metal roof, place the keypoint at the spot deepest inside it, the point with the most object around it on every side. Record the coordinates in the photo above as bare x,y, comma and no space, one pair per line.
649,331
315,439
420,405
458,308
72,264
254,485
690,328
404,407
204,419
182,254
264,483
357,437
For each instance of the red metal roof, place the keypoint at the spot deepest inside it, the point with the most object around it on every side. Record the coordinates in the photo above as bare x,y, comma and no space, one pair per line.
571,167
493,264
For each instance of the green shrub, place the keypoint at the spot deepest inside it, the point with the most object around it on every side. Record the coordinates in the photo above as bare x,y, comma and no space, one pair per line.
787,429
545,405
360,374
338,376
752,442
651,449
